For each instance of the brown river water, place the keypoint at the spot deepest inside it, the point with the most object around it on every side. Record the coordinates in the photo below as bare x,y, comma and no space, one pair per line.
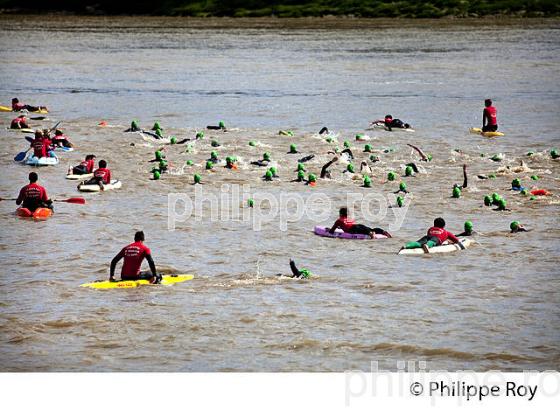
492,306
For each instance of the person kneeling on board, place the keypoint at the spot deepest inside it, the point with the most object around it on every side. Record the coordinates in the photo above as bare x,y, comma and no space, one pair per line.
133,255
60,140
349,226
19,123
391,123
33,195
101,176
41,145
489,117
436,236
85,167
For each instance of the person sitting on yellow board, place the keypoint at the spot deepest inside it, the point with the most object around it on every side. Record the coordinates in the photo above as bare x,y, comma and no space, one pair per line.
133,255
489,117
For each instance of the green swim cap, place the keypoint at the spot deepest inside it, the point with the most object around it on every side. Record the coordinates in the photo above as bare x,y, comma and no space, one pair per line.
367,148
516,183
250,202
199,135
350,167
502,204
312,178
301,175
221,125
273,171
209,165
468,226
197,179
346,144
492,176
402,186
162,164
215,143
159,155
400,201
391,176
158,133
173,140
534,177
266,156
524,192
530,153
329,139
305,273
252,143
374,158
408,171
488,200
157,175
429,156
300,166
214,155
533,198
554,154
229,160
514,225
293,149
134,124
456,192
367,181
156,126
359,137
189,162
268,175
496,197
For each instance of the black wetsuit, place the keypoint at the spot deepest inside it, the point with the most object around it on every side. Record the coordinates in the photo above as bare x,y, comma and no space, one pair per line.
365,230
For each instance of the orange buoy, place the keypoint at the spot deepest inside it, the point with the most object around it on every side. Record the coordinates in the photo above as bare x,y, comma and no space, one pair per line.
540,192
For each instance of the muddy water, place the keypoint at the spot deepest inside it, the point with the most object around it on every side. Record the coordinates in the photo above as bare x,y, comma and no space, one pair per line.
494,306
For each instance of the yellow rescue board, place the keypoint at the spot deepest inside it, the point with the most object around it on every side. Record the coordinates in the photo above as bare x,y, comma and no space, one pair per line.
487,133
166,280
3,108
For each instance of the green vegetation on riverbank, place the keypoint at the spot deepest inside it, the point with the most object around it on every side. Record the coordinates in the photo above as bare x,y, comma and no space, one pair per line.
295,8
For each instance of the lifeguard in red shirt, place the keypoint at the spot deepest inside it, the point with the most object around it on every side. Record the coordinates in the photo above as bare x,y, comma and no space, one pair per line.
133,255
436,236
101,175
33,195
489,117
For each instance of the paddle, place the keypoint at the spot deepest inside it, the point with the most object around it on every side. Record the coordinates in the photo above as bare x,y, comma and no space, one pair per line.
19,157
76,200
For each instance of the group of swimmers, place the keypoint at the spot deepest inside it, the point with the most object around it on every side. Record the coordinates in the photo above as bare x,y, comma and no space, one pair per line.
33,196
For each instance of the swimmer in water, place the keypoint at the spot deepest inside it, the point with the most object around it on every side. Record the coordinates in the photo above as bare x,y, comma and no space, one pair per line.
469,231
516,227
325,173
298,273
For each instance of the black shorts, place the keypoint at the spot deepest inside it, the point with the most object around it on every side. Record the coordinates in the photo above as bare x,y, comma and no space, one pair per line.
142,275
490,128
